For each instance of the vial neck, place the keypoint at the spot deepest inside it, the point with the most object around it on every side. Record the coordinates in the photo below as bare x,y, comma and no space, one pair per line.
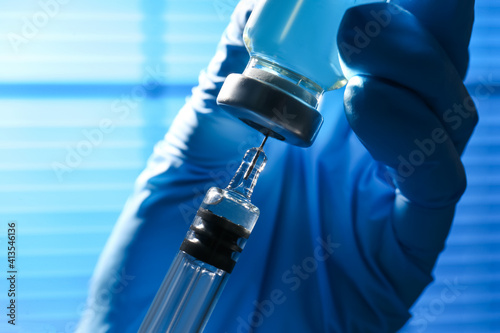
248,172
273,73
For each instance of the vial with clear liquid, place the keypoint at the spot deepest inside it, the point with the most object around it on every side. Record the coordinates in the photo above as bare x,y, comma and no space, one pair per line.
293,61
299,36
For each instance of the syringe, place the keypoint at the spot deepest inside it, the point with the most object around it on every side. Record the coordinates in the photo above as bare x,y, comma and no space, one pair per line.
208,253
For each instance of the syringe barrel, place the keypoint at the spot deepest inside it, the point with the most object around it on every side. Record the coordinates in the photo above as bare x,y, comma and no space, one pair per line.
207,256
186,297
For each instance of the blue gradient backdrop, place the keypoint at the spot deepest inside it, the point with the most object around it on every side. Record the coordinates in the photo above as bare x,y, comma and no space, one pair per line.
80,111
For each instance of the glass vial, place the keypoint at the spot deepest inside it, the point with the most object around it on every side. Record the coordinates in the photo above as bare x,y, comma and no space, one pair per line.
293,61
299,36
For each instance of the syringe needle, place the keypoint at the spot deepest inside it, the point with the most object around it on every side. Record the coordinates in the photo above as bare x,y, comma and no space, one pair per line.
261,147
254,159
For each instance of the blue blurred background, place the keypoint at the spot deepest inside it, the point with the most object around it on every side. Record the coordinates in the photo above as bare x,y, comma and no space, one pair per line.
87,88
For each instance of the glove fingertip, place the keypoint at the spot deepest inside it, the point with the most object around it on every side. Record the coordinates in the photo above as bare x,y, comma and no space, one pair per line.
450,22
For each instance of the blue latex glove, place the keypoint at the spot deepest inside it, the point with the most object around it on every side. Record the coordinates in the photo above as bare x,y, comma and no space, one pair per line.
410,74
337,248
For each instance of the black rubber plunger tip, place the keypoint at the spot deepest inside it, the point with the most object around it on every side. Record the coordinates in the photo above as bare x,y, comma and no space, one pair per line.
270,110
214,239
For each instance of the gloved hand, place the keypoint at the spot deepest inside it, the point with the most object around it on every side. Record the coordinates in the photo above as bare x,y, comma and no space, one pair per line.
381,218
406,66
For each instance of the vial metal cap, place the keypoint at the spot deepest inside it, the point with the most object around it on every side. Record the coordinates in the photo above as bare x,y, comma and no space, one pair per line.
272,105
